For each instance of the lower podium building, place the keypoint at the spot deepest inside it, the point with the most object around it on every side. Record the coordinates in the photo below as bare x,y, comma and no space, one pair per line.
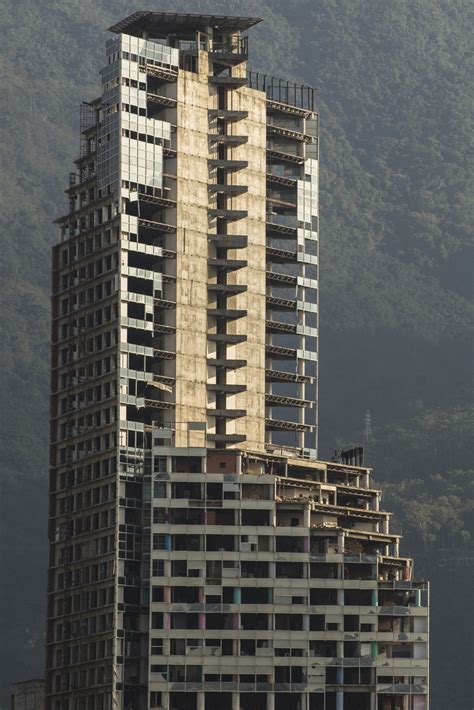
201,556
276,583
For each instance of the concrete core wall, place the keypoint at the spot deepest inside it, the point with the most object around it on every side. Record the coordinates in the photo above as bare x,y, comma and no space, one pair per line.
191,246
253,275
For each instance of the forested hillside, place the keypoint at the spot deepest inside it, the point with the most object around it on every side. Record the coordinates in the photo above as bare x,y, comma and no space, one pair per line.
394,95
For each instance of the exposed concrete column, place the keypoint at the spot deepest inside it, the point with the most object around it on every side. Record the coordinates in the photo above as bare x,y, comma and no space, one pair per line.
307,517
340,677
235,701
201,701
165,700
373,701
340,542
270,701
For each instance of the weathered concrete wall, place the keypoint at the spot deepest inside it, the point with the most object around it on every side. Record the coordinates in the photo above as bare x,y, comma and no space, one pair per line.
253,275
191,245
195,97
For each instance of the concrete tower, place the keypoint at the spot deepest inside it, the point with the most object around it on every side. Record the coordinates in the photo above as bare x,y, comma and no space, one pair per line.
201,556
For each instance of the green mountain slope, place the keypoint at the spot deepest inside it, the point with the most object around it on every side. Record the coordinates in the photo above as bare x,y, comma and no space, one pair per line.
394,88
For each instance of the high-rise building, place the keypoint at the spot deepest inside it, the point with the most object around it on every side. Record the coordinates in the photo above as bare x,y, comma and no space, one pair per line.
201,557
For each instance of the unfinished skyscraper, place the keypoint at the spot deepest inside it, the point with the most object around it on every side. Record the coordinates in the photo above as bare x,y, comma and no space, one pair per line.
201,557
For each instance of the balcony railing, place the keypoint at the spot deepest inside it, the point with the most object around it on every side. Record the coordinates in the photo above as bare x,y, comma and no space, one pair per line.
230,45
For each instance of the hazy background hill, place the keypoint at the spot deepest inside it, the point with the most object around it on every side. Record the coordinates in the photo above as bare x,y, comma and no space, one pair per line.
394,95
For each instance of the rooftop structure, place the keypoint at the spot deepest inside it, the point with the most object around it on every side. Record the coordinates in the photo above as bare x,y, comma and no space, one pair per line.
201,556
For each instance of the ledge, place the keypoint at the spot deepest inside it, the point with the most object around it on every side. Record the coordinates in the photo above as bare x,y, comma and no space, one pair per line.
227,164
289,426
228,214
233,82
229,241
227,114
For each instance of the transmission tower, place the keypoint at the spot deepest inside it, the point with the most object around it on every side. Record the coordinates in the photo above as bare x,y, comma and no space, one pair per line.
368,426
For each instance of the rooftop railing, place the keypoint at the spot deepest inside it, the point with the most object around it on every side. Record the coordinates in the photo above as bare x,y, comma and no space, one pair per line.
282,91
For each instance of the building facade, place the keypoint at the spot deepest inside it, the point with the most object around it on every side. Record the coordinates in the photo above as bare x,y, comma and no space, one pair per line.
200,554
28,695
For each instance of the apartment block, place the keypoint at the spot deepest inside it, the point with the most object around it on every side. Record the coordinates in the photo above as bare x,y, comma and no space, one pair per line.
201,556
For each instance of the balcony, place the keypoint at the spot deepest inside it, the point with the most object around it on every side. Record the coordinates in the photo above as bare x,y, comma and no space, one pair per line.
228,189
226,363
229,140
282,180
230,50
228,313
275,277
227,413
166,75
227,438
163,354
227,213
282,132
164,329
281,303
223,114
284,157
227,389
277,400
226,338
228,241
158,404
273,326
156,200
273,424
228,264
279,352
163,303
281,254
156,98
227,164
227,289
160,227
280,376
